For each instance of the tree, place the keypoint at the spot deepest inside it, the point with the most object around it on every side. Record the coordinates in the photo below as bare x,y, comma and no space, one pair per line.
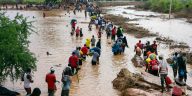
15,56
52,1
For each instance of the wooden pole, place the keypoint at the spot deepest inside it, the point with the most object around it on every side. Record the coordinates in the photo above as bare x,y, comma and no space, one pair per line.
170,8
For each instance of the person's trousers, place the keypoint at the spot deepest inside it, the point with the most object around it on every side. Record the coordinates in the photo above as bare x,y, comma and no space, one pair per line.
28,90
51,92
163,76
65,93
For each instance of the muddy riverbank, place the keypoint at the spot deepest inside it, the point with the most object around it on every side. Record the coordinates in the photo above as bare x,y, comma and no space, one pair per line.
130,28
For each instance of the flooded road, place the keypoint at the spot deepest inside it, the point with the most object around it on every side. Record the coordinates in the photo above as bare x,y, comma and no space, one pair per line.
53,35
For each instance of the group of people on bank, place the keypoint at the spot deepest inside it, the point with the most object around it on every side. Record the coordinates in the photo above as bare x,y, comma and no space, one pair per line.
158,66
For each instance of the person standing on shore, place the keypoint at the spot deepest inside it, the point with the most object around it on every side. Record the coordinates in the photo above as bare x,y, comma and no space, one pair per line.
51,80
163,71
27,78
154,47
175,64
182,70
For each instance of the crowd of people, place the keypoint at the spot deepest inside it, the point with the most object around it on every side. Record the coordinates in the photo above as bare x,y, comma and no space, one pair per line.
155,63
158,66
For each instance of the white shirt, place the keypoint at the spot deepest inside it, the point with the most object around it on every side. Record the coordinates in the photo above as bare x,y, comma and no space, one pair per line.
163,66
26,81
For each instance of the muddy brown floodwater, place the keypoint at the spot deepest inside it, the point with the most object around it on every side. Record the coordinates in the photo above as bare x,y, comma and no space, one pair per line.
53,35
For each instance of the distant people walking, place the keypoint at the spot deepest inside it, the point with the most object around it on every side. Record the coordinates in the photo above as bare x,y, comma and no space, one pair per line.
27,78
81,32
99,44
124,44
51,80
77,31
85,13
93,40
114,30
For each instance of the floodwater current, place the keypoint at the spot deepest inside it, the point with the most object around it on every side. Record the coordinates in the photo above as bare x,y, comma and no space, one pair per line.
52,34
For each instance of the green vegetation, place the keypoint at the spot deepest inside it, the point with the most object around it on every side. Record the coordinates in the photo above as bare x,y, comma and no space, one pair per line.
15,56
163,5
28,1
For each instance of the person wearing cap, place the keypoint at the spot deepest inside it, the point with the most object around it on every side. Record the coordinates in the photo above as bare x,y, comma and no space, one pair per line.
51,79
163,71
73,62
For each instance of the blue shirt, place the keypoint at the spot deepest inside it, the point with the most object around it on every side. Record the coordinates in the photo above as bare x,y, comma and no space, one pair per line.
66,83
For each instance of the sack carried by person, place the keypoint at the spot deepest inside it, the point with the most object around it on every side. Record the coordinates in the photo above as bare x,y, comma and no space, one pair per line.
168,80
155,67
176,91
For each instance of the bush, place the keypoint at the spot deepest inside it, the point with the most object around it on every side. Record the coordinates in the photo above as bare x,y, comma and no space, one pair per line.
163,5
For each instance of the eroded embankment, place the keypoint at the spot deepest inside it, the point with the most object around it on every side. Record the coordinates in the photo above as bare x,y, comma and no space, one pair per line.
131,84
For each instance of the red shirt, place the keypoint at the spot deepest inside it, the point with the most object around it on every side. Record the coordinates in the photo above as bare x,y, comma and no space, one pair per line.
154,46
84,50
73,24
51,79
140,45
153,62
113,31
73,61
77,31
